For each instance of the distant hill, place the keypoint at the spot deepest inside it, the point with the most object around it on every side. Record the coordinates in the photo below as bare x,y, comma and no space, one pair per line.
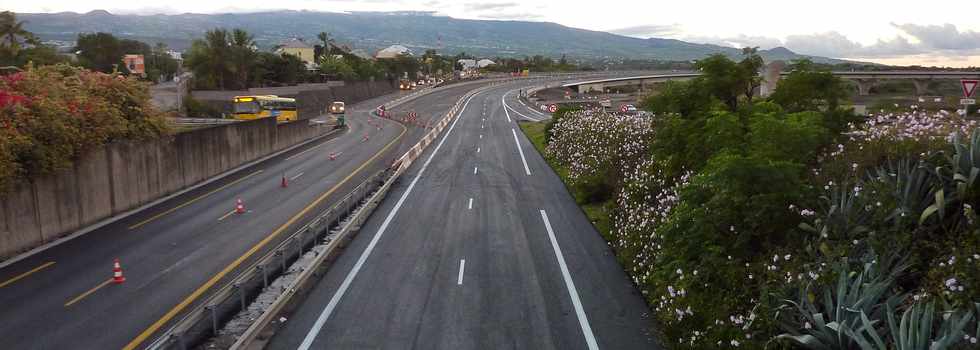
375,30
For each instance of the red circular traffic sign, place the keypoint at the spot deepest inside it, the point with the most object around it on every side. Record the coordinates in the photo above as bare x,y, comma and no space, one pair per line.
623,109
553,108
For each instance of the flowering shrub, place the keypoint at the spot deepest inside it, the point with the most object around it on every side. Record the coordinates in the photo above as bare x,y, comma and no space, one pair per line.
53,114
723,228
592,142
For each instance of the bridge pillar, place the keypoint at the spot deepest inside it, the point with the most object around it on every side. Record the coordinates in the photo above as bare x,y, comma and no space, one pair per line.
770,77
921,86
865,85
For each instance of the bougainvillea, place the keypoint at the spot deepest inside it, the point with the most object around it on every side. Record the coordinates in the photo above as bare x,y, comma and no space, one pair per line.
51,115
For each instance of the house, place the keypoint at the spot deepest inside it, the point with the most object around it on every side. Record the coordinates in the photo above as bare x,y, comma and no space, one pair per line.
473,64
298,48
393,51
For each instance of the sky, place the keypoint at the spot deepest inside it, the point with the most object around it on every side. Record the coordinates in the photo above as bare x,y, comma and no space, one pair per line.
937,32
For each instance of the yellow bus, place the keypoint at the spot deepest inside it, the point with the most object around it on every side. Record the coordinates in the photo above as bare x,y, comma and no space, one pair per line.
255,107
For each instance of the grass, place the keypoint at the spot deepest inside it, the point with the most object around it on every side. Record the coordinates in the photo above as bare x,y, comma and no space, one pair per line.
599,213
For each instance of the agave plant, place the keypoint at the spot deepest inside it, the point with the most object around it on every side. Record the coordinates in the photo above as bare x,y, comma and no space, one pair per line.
852,306
844,217
958,177
916,329
914,187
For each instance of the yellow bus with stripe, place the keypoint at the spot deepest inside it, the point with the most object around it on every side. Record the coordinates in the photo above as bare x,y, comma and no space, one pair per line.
264,106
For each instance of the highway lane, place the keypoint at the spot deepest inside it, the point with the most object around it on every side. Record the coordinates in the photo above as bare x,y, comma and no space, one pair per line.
480,246
174,252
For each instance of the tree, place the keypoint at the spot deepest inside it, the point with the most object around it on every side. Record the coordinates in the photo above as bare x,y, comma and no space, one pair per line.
723,78
100,52
327,41
750,66
336,67
208,59
243,53
12,32
278,69
808,89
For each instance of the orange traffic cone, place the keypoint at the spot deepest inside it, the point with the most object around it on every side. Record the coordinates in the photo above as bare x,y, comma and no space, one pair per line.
240,207
284,182
117,275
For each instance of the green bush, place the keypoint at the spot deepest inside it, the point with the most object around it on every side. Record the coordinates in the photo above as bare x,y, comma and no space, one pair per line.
53,114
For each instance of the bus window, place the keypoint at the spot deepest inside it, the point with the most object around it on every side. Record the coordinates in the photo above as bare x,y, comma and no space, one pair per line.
246,107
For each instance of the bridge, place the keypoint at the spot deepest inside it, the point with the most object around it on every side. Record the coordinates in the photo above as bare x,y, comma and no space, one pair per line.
864,80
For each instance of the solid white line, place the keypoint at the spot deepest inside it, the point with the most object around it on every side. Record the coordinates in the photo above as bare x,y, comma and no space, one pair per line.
531,109
462,266
521,151
474,170
522,114
325,314
297,176
470,206
583,321
505,107
478,150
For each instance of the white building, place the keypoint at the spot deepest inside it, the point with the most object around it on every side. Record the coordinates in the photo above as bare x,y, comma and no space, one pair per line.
393,51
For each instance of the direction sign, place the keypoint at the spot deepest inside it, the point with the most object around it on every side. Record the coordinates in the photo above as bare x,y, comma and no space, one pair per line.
969,87
968,101
553,108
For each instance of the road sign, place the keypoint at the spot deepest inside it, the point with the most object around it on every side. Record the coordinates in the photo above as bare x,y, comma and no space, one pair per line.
553,108
969,87
968,101
623,109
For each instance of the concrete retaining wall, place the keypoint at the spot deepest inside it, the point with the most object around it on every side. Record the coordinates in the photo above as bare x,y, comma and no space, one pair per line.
311,99
123,176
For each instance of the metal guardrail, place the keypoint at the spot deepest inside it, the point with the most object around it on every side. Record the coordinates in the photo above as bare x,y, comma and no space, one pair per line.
352,225
204,320
202,121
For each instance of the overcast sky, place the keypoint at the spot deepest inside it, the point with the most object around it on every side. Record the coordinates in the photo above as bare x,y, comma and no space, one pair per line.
938,32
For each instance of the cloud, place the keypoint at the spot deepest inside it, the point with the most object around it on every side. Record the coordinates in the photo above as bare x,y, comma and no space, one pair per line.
944,37
740,40
512,16
649,31
834,44
487,6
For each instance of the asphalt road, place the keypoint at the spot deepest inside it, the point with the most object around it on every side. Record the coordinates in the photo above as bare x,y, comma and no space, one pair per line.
478,246
175,253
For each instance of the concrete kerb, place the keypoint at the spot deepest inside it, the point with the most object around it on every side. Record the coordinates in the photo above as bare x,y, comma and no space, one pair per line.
356,221
359,217
130,212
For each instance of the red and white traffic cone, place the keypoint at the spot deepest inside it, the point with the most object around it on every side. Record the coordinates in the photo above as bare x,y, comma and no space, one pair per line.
365,137
333,156
117,275
240,207
284,183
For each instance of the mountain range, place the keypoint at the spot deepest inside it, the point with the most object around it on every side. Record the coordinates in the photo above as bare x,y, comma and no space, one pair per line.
371,31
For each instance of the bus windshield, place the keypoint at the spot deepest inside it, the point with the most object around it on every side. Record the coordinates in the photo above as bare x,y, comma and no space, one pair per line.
246,107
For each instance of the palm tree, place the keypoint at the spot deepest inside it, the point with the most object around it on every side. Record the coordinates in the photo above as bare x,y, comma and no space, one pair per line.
242,44
12,32
326,40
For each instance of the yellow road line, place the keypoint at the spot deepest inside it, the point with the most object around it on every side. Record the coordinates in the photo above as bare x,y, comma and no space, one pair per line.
314,147
251,251
171,210
226,215
90,291
25,274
